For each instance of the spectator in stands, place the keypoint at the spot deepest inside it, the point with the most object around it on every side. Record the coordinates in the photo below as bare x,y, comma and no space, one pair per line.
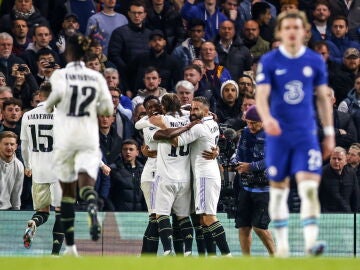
2,80
103,23
84,9
348,9
70,26
19,31
231,10
246,85
252,39
229,104
125,191
24,84
215,74
261,14
320,25
5,93
162,15
185,92
345,75
92,61
232,53
46,64
12,172
206,11
113,80
41,39
128,41
22,10
353,159
7,59
339,41
96,48
289,5
123,125
167,66
190,48
339,188
351,104
345,129
246,5
152,82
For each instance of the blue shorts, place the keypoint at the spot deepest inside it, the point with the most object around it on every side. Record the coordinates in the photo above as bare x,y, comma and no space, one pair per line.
289,153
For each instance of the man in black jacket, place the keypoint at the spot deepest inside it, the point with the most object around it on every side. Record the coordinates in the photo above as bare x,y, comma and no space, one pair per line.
339,188
128,41
125,191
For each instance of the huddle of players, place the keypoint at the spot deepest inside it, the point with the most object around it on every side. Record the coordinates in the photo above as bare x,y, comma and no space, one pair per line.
176,142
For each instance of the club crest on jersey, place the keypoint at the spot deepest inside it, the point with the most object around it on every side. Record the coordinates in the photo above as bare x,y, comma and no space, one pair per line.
294,93
307,71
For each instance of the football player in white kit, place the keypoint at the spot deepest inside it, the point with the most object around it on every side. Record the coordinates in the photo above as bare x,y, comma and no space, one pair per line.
203,137
37,151
79,94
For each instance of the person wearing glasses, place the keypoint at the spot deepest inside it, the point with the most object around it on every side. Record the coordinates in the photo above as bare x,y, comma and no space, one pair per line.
128,41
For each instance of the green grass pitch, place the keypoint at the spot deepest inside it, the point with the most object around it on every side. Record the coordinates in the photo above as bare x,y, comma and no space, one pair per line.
176,263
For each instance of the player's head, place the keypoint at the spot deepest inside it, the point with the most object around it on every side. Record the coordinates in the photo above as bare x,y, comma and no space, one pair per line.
8,144
139,112
291,28
253,120
199,108
76,47
171,103
152,105
44,91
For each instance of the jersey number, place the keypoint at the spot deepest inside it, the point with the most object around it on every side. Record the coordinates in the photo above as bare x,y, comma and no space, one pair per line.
42,147
182,151
78,110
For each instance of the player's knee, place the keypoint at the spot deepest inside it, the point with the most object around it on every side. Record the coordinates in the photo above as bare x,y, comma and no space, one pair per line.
308,192
208,219
41,217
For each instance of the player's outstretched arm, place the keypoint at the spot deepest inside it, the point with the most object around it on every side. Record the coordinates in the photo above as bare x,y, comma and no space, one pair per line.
169,133
324,109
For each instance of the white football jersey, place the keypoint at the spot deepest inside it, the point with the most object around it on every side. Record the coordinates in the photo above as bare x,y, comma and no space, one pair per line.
173,163
202,137
149,170
37,142
79,94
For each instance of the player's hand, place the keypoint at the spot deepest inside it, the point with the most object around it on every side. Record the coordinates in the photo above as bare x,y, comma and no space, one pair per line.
157,120
105,169
214,153
28,172
145,150
272,127
328,145
243,167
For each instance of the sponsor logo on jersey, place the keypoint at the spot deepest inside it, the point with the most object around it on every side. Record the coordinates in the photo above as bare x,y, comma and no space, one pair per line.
294,93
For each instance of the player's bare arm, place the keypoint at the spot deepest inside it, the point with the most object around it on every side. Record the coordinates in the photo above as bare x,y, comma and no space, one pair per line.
271,125
326,117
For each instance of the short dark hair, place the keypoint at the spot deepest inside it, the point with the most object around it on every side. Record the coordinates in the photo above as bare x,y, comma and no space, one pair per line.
90,56
259,8
45,51
192,66
319,44
150,97
202,100
151,69
342,18
195,22
138,3
45,88
130,141
113,88
11,101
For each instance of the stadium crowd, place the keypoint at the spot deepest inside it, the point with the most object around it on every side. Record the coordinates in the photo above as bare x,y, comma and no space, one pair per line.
191,48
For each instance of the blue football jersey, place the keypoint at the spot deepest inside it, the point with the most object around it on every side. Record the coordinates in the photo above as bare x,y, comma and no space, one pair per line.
292,80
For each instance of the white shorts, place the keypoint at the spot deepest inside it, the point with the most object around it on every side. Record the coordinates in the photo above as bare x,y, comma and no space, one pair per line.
172,197
69,163
45,194
207,193
147,189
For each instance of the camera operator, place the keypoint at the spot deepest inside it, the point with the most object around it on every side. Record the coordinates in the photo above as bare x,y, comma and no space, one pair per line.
24,84
252,185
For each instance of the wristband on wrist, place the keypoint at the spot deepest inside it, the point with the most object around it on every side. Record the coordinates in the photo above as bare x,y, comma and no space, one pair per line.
329,131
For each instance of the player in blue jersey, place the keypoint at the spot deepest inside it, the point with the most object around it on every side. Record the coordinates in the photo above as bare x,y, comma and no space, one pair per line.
287,80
